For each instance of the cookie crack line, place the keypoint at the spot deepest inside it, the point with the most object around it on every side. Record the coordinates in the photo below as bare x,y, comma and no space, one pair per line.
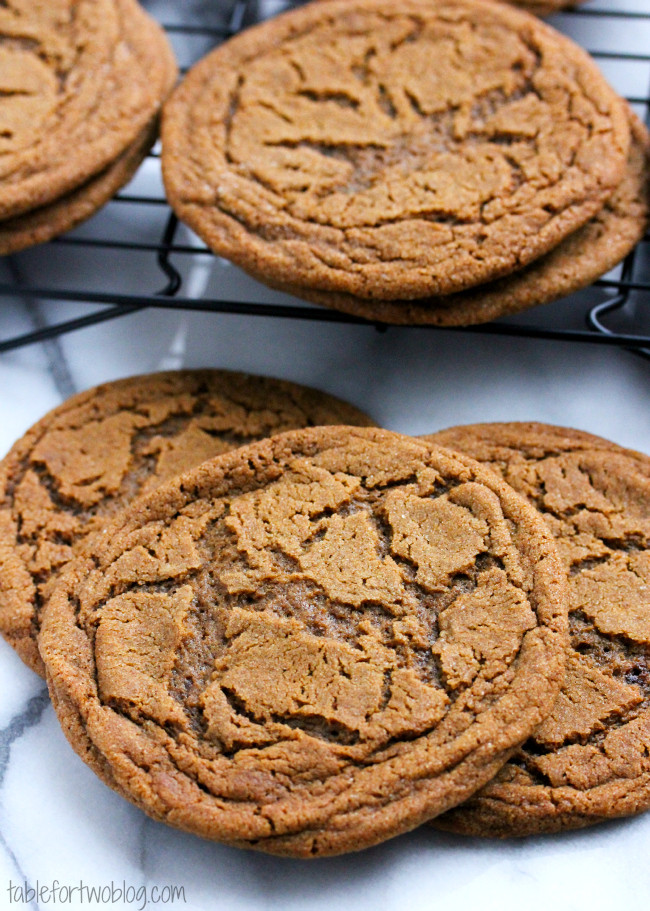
590,757
37,173
375,745
293,238
580,615
459,583
60,482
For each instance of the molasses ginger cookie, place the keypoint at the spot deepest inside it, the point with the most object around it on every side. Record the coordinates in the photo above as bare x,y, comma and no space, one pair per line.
81,81
309,644
65,213
589,760
94,453
575,263
392,151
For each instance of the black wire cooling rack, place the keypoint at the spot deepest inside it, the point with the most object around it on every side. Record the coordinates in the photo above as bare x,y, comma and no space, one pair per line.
613,311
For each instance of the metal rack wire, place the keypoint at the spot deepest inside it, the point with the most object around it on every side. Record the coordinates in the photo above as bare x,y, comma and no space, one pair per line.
613,311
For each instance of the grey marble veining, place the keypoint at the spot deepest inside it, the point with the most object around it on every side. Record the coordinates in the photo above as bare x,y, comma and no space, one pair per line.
27,718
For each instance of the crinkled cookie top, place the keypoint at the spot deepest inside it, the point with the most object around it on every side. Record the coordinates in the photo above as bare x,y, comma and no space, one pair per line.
589,759
310,644
392,150
79,81
574,263
93,454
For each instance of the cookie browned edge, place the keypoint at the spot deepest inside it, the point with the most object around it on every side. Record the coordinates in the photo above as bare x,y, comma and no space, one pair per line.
563,439
72,680
46,222
19,624
504,810
155,57
574,264
65,213
228,236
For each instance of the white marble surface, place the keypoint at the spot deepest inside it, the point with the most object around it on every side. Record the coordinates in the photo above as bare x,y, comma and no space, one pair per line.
58,822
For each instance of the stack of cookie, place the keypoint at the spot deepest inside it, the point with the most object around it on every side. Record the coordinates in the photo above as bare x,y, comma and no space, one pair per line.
81,86
91,456
319,639
590,759
307,644
441,163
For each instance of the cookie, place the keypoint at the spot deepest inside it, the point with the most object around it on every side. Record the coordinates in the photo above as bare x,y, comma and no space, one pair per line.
46,222
392,152
80,82
309,644
574,264
590,760
94,453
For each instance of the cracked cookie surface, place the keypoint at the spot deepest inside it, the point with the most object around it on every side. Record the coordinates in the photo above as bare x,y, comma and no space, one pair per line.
79,83
392,153
45,222
576,262
94,453
310,644
589,760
